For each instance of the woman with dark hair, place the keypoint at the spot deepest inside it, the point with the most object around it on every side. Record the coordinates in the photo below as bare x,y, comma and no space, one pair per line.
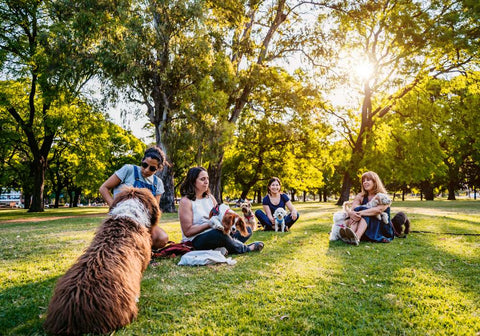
363,223
272,201
193,211
140,177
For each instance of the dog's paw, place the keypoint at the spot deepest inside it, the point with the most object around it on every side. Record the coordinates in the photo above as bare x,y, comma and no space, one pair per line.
215,223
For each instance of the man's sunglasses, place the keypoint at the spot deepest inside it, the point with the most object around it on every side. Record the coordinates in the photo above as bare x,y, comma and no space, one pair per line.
146,165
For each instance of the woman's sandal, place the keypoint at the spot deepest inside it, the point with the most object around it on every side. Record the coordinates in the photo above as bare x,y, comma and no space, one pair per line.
257,246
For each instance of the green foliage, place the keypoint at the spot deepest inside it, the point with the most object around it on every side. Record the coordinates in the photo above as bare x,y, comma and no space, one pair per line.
281,133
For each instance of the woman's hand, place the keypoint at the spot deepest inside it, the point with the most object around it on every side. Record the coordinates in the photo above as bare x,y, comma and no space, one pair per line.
272,220
294,215
354,215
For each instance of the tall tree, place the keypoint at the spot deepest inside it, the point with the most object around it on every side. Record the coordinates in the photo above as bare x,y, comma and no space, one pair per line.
158,52
399,43
39,48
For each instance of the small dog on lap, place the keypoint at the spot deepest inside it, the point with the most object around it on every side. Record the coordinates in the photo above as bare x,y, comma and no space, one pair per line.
99,293
380,199
223,218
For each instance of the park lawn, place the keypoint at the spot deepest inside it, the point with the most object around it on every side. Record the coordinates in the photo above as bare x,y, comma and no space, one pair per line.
300,284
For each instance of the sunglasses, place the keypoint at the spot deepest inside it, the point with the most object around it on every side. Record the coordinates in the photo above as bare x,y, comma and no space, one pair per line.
146,165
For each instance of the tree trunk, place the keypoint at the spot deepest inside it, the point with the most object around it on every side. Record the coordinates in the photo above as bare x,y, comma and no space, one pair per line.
259,196
346,186
427,189
76,197
215,175
451,191
39,168
57,197
27,199
167,202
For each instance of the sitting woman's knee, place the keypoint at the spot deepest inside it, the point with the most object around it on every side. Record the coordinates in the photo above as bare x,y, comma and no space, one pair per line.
259,213
159,238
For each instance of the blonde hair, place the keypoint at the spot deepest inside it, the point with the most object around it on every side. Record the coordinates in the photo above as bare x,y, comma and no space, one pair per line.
377,183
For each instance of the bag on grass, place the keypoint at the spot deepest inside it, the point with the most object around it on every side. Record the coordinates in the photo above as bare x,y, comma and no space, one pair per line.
172,250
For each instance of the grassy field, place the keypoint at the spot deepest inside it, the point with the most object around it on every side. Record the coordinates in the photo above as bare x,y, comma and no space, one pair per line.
300,284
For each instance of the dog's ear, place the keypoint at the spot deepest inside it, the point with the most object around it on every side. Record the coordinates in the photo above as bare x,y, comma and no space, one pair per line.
241,225
227,221
150,203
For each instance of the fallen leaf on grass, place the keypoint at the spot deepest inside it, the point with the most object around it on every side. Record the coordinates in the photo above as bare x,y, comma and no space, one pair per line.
284,317
363,280
348,252
379,285
309,286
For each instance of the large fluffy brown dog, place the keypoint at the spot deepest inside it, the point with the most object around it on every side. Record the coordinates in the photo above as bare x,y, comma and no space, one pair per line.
98,294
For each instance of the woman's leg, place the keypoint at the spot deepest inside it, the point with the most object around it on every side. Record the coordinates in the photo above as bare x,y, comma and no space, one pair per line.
289,220
241,238
359,227
159,237
263,219
215,238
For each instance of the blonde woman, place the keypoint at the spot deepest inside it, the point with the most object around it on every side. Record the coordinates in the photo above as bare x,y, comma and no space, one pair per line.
364,224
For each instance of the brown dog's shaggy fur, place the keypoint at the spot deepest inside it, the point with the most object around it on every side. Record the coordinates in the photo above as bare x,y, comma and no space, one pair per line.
98,293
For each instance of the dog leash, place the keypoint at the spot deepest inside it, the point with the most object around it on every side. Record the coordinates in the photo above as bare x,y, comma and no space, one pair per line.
448,233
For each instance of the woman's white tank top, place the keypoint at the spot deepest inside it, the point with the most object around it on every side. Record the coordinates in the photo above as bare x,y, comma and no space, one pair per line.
201,209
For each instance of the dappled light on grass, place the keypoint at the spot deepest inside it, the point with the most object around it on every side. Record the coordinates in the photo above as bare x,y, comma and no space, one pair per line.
300,284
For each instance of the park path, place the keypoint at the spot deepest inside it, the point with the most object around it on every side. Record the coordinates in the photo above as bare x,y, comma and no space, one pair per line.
44,219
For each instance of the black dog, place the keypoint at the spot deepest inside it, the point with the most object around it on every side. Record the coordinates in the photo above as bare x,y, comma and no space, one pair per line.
399,221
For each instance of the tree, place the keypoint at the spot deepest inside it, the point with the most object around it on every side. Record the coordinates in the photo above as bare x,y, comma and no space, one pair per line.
157,53
399,43
40,49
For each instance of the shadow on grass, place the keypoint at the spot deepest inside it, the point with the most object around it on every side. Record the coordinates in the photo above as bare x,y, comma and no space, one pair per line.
301,283
25,308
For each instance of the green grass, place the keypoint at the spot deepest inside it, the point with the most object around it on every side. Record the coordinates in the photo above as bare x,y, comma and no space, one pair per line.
300,284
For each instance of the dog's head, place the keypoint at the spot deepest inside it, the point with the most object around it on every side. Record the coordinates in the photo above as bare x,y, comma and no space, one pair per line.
232,222
246,207
383,199
279,214
138,204
339,218
401,224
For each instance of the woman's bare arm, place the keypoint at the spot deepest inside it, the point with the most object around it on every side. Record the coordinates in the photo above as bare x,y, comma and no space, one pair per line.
185,213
